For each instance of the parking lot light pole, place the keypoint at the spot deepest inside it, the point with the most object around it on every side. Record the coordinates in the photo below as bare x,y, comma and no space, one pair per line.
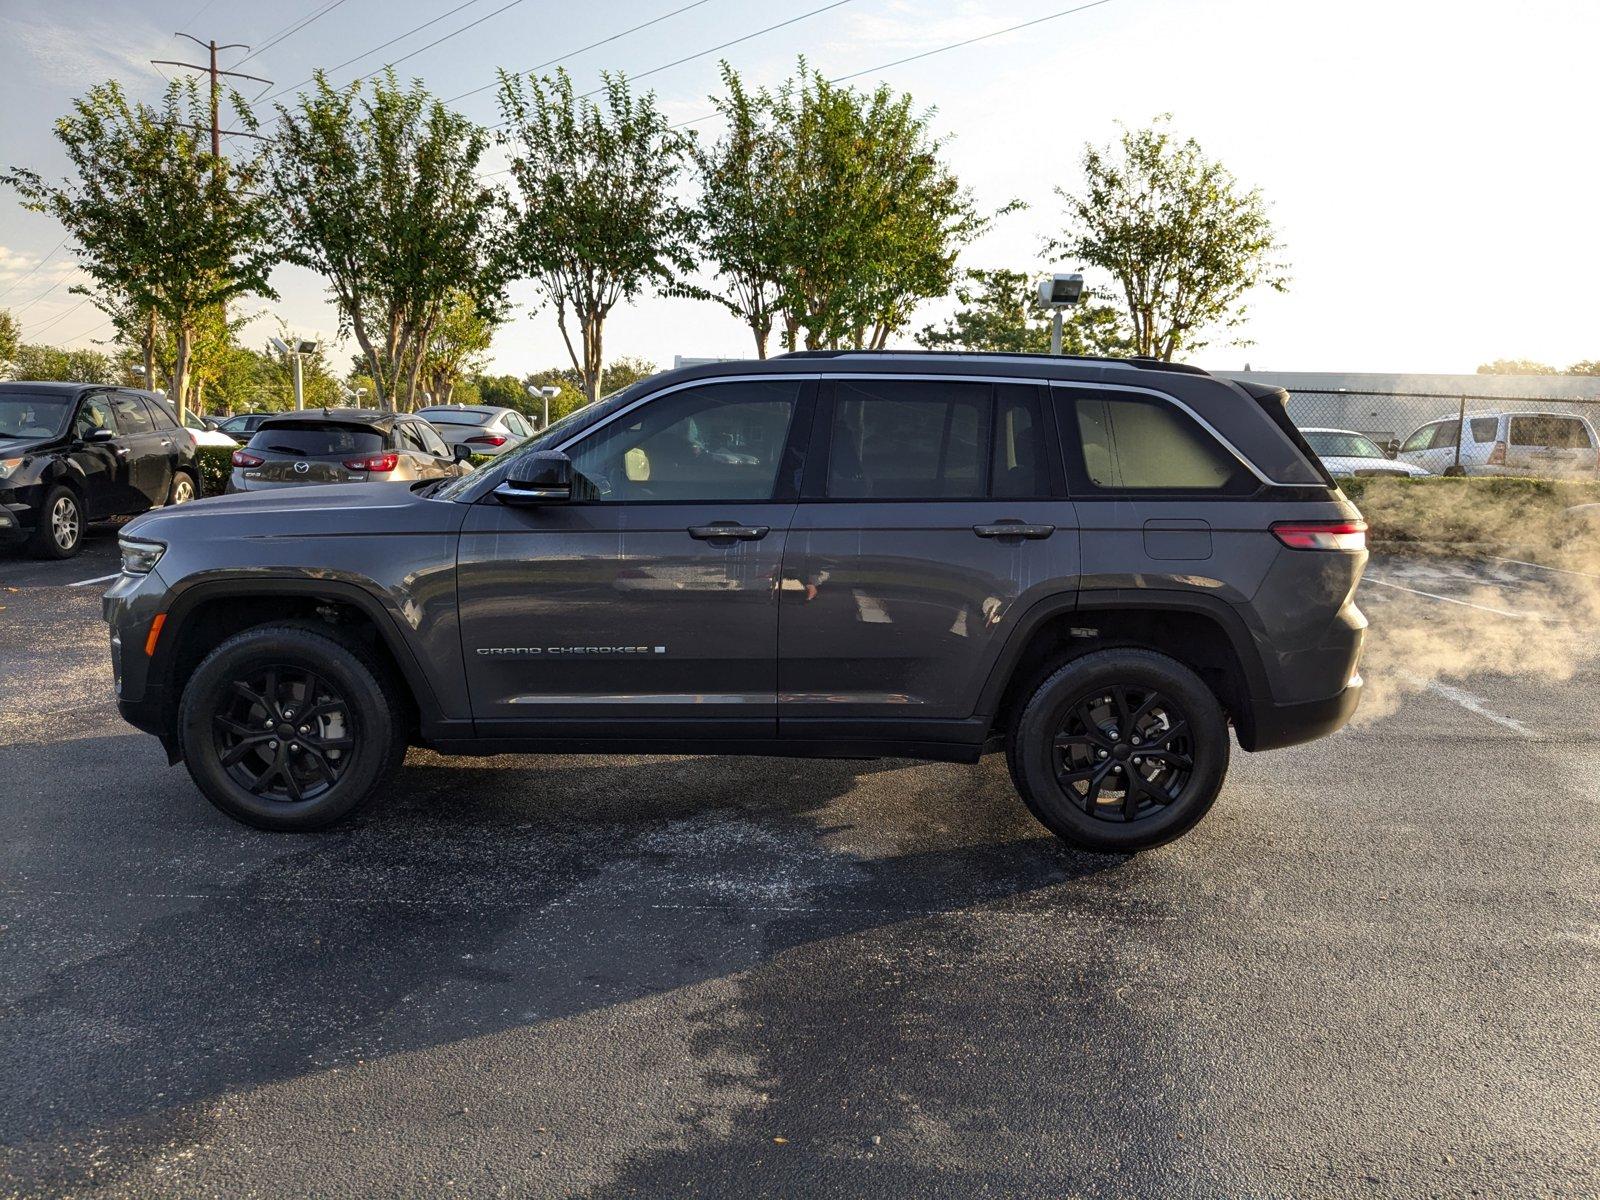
545,395
1059,293
294,352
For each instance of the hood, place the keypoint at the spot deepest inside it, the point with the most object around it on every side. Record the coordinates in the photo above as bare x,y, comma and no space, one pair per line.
21,447
1340,464
345,509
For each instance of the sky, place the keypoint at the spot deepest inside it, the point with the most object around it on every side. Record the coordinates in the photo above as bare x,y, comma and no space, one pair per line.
1429,166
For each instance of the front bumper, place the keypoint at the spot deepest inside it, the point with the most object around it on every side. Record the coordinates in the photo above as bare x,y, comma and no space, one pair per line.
12,530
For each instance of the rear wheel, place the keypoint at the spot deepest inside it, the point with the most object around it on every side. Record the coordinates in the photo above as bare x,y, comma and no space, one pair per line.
287,728
59,533
1119,750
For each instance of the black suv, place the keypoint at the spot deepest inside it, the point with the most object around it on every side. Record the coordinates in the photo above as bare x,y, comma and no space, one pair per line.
1095,565
71,453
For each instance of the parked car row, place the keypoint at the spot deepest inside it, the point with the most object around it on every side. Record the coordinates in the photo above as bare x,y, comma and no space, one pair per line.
1537,444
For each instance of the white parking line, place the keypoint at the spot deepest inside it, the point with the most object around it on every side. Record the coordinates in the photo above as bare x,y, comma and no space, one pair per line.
1499,612
1473,704
1540,566
96,579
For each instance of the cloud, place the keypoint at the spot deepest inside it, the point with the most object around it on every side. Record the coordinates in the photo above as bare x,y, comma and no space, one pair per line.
80,44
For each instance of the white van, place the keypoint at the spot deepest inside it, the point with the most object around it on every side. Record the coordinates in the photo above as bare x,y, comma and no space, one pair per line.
1541,444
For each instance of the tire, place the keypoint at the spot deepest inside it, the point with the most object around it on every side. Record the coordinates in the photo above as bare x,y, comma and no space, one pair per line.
245,702
61,521
183,489
1072,756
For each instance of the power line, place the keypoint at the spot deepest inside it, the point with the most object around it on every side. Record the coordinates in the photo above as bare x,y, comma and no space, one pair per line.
20,279
375,49
290,30
678,62
982,37
445,38
59,317
40,296
584,49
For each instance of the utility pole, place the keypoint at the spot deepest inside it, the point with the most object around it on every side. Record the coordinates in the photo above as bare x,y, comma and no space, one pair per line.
216,74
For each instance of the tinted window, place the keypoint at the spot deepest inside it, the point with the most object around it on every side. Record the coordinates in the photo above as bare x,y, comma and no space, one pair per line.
1421,439
514,426
1139,444
163,418
904,440
1560,433
1484,429
1445,434
431,441
94,413
453,416
312,439
132,419
719,442
410,437
1019,461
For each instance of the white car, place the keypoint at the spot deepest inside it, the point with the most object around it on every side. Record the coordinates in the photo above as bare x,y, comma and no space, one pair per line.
1543,444
483,428
1345,453
204,431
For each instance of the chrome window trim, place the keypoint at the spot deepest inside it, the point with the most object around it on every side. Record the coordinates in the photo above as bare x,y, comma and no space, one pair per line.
767,377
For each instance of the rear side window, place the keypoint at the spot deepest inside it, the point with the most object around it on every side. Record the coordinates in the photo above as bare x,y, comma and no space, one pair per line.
1485,428
1558,433
1141,444
132,419
909,440
163,418
311,440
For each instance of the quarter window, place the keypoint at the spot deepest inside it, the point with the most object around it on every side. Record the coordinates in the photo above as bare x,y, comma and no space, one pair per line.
1135,444
719,442
905,440
1560,433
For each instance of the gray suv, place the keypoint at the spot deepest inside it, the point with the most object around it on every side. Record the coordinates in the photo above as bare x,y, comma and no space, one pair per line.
343,445
1096,566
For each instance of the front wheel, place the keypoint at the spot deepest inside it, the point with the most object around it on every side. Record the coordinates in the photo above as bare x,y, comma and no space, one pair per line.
285,727
60,530
1119,750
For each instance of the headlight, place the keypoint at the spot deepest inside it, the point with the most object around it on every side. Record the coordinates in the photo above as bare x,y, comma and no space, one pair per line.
139,557
8,466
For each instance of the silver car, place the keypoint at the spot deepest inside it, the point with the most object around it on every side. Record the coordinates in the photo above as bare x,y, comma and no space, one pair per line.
482,428
343,445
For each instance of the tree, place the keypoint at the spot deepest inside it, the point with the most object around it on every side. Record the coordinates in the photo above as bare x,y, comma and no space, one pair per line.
10,337
1516,366
381,196
51,363
1586,367
999,312
1183,241
166,231
456,346
600,220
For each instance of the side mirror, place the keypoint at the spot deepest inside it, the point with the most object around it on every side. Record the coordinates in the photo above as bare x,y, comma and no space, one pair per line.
542,477
100,435
461,451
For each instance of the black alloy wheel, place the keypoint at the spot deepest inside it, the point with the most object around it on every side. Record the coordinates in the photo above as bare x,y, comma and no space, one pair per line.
284,733
1123,753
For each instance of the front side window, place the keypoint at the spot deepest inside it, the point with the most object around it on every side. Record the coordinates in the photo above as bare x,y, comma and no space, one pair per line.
1139,444
1444,435
717,442
94,413
1421,439
909,440
432,443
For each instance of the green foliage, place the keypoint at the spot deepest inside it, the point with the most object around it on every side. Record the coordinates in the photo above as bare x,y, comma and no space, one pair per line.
1184,243
1527,366
10,337
381,197
216,464
829,209
53,364
503,391
455,346
1461,510
165,231
999,312
599,220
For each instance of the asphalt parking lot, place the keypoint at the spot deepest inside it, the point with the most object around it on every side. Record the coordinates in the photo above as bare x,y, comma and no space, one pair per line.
1374,970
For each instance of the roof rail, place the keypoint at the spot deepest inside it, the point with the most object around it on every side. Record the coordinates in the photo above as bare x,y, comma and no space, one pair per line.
1133,362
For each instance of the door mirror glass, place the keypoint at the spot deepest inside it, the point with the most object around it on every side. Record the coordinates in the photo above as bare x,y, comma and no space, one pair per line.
542,477
461,452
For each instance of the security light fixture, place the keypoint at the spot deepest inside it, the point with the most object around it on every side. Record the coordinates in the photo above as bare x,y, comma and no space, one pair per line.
1060,291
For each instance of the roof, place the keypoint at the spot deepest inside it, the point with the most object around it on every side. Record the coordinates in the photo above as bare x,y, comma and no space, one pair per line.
48,385
1137,362
477,408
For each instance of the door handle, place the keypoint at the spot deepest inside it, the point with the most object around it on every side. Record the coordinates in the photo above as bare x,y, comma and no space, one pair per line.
122,451
1013,529
727,531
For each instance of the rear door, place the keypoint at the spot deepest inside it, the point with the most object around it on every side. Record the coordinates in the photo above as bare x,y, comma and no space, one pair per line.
931,519
146,450
1548,444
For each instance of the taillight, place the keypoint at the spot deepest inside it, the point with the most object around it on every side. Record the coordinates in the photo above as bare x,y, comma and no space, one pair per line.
488,439
377,463
1322,535
243,458
1497,456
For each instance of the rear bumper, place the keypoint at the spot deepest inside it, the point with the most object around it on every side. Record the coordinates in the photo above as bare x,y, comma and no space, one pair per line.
1272,726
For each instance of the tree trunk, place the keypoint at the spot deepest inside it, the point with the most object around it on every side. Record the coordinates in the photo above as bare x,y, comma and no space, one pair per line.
593,360
180,373
150,351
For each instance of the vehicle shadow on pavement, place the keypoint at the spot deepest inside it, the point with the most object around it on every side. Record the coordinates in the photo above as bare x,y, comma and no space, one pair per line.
477,898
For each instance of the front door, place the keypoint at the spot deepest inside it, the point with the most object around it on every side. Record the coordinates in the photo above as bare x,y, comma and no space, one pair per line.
103,466
649,602
930,522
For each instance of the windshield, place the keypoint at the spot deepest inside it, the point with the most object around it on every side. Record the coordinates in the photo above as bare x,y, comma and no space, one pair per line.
25,413
310,440
453,416
1343,445
573,423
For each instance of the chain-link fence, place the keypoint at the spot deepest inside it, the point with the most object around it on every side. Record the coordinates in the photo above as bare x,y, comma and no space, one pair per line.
1450,433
